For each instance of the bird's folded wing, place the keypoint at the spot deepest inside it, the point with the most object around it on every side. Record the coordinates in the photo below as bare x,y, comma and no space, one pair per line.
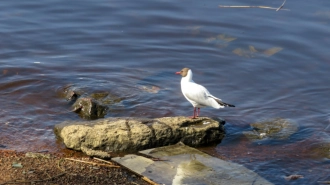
200,95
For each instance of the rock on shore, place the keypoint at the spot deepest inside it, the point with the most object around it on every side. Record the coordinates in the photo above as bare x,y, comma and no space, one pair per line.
134,134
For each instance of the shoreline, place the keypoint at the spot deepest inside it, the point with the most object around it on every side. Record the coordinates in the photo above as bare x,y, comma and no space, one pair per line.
56,168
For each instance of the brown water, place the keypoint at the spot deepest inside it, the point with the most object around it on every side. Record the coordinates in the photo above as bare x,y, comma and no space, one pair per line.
269,64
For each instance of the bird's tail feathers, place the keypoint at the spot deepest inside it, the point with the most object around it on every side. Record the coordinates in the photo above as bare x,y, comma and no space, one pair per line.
223,103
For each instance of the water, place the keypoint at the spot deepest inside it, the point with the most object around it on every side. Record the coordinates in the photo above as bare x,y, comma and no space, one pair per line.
123,46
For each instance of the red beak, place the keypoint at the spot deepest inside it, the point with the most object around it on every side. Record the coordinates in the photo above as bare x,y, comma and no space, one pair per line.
177,73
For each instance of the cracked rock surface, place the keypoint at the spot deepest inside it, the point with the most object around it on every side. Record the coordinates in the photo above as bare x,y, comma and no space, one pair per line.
134,134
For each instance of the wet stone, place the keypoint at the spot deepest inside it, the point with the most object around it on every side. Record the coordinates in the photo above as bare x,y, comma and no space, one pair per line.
181,164
70,92
277,128
320,150
106,98
89,106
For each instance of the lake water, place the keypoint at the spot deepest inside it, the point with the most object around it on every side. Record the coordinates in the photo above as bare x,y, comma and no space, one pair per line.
269,64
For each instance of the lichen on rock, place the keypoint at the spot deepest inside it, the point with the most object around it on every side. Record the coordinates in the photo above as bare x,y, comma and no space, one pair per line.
134,134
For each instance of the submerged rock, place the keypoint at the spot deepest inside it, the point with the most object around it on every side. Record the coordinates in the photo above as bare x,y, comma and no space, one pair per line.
134,134
320,150
277,128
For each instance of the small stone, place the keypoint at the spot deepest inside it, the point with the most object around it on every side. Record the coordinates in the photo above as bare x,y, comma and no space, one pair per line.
17,165
37,155
294,177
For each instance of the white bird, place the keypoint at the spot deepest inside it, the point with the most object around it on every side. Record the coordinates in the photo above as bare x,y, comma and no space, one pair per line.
198,95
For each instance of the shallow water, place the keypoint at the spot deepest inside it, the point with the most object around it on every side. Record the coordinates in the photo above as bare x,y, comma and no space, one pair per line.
126,47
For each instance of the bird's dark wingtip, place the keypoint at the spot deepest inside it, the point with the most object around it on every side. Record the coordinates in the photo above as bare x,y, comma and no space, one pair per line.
229,105
224,104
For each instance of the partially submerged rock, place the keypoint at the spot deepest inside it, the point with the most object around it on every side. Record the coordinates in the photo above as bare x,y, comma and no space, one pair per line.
134,134
277,128
89,108
71,93
89,105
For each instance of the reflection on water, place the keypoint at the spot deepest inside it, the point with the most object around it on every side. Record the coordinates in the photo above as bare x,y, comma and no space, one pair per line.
269,64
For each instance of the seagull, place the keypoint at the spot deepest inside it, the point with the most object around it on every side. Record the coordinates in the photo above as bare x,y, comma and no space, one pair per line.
198,95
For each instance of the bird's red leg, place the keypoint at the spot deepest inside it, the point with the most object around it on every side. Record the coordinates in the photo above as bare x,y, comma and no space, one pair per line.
194,116
199,110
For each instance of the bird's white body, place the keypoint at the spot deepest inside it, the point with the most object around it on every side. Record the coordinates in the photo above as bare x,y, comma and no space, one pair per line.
196,94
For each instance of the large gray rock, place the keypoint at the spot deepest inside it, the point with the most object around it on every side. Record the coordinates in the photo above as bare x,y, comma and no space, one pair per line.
134,134
181,165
